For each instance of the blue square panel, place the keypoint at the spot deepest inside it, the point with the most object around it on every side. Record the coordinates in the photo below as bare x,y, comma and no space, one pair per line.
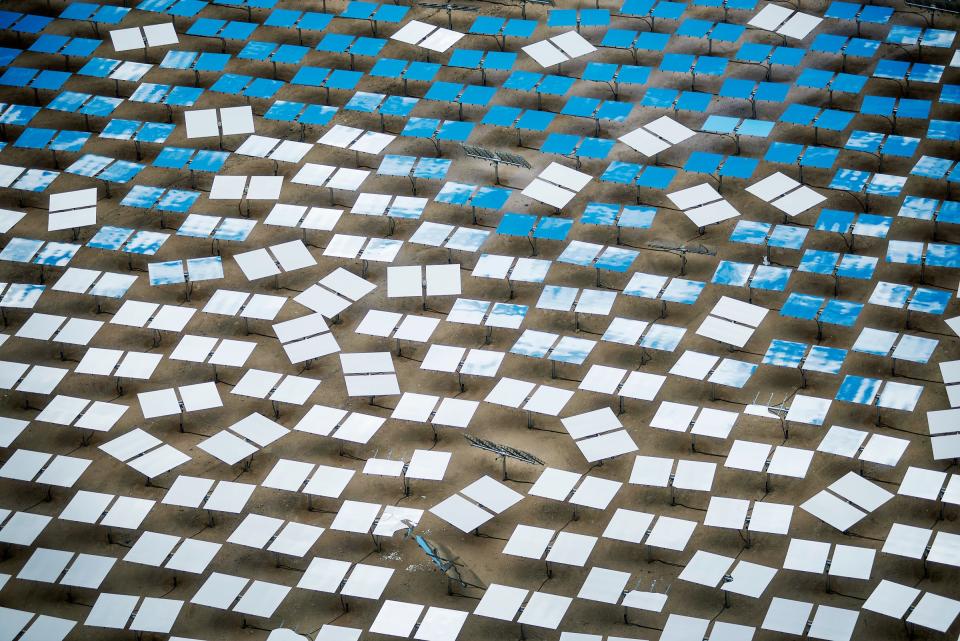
801,306
929,301
681,290
784,353
859,389
788,237
662,337
818,262
915,349
516,224
732,373
943,255
731,273
771,278
841,312
616,259
637,216
703,162
835,220
856,266
490,197
600,214
553,228
645,285
739,167
656,177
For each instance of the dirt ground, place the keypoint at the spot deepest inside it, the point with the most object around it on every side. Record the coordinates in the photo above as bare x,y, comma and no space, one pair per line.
415,580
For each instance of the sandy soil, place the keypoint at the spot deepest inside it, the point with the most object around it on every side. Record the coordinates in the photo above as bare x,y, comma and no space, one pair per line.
414,579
